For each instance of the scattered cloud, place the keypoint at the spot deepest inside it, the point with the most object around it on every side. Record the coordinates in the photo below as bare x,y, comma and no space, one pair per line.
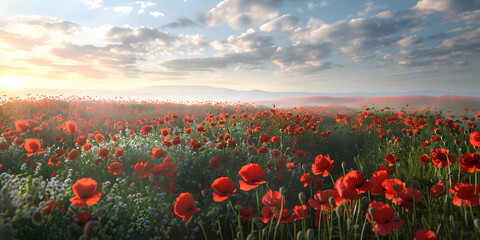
369,7
181,22
410,41
157,14
285,23
241,13
94,3
144,5
450,8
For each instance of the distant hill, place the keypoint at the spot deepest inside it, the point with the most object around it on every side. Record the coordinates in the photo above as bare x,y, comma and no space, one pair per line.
199,93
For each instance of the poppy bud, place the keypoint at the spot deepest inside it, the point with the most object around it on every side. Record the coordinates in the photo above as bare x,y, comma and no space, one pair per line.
250,237
304,167
301,197
215,211
37,217
204,192
476,223
300,235
331,200
339,210
310,234
282,190
239,235
87,229
238,207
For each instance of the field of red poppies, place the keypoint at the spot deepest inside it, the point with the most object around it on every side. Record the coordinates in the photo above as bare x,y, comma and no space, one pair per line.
82,168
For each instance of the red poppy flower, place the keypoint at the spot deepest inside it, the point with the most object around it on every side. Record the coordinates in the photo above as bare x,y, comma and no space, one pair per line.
165,133
306,179
146,129
214,164
224,187
438,191
320,200
4,146
474,139
470,162
54,160
103,153
268,213
99,138
85,190
115,168
73,155
409,196
302,212
119,152
71,127
425,159
423,234
262,150
441,159
391,159
18,141
377,180
323,165
158,153
247,213
383,218
176,141
392,188
82,218
273,199
465,194
185,206
52,205
143,169
22,126
351,185
81,140
252,175
60,152
33,146
167,169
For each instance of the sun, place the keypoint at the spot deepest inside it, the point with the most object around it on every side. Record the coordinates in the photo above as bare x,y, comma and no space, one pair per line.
11,81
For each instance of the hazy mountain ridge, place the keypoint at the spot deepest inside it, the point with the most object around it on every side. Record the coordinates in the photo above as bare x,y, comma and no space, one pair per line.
198,93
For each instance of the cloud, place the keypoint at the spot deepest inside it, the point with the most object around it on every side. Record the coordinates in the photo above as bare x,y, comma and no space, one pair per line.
157,14
355,37
241,13
460,48
283,23
144,5
369,7
93,3
249,49
310,67
123,9
448,7
181,22
410,41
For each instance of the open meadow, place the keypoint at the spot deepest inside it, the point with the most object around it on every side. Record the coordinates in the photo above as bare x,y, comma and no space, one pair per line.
79,168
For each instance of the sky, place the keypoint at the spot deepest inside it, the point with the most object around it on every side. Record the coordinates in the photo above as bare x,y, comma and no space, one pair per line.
272,45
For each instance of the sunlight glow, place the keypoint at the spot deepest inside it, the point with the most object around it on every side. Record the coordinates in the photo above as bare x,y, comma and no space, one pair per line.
12,81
